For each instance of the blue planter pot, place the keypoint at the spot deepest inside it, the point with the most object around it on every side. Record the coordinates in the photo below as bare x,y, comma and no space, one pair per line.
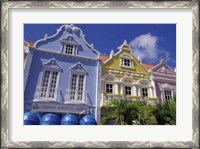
31,118
88,120
69,119
50,119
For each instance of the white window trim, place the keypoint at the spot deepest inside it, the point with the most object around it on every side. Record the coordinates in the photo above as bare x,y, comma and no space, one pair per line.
67,99
147,91
106,88
37,97
74,50
127,58
163,93
125,90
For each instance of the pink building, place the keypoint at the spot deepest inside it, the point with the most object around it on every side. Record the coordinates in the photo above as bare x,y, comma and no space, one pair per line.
163,79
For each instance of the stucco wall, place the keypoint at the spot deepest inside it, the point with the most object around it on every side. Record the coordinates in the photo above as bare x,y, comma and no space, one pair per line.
158,85
35,75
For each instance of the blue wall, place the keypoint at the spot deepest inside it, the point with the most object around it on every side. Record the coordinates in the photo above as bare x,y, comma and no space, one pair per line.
51,48
53,43
35,75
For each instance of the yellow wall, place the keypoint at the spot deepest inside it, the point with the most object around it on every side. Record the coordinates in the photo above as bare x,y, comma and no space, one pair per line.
114,64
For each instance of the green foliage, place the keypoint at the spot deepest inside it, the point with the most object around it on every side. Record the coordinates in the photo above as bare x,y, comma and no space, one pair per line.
105,120
148,117
140,112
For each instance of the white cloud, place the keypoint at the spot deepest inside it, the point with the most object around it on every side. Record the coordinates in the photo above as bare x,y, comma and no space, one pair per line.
146,48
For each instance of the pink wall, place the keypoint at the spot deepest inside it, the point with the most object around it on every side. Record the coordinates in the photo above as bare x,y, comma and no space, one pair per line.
158,85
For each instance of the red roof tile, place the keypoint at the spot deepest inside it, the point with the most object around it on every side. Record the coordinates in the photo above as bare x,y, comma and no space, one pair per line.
104,57
31,44
148,66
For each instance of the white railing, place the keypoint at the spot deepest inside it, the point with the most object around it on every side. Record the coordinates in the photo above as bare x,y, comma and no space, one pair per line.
76,96
106,97
46,94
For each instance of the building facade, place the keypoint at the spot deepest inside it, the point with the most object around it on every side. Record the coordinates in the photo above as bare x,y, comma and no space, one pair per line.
62,75
123,76
164,78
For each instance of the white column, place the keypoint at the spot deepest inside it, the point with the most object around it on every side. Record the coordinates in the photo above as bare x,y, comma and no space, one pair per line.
121,88
102,85
102,97
152,92
162,95
102,91
139,90
149,91
154,88
134,90
116,88
172,93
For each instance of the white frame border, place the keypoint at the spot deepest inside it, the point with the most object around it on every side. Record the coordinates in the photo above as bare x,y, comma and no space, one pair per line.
5,143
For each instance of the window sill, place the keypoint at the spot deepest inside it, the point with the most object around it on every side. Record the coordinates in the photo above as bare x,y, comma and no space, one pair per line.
75,102
45,100
69,54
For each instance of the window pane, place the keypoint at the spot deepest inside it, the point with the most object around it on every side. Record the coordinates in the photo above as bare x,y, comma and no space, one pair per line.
127,90
127,62
77,86
167,95
145,92
73,86
80,87
53,84
109,88
45,81
69,49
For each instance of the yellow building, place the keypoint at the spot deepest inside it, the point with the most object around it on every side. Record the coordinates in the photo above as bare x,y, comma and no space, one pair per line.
125,77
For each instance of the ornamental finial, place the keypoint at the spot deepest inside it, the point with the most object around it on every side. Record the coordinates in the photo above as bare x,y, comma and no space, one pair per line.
125,42
92,45
45,36
162,61
111,53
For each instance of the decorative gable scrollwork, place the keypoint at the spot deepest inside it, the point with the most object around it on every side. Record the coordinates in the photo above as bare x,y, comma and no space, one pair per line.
52,63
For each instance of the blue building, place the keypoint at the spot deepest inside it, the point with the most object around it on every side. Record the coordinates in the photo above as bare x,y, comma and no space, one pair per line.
62,75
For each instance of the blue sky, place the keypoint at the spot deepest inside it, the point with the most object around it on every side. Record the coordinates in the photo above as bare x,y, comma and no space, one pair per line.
149,42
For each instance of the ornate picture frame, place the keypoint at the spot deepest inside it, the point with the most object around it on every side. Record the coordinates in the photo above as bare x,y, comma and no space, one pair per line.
6,5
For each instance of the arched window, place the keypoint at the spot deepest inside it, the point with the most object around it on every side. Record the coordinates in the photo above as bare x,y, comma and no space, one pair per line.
144,86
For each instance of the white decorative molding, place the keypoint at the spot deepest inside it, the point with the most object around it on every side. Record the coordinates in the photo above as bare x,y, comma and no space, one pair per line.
78,67
120,48
124,44
49,37
70,28
143,81
111,53
126,56
162,63
69,39
109,75
52,63
166,86
127,78
62,54
27,66
91,46
162,79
